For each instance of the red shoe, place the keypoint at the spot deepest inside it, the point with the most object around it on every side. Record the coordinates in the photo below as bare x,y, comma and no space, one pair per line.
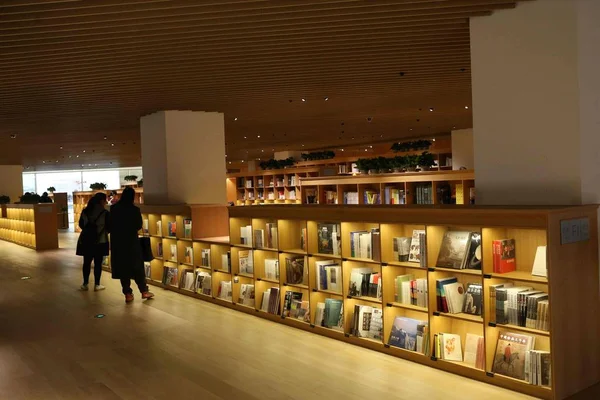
147,295
128,297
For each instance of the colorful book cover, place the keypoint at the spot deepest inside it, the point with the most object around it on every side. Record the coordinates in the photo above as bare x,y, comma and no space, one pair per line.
510,354
504,256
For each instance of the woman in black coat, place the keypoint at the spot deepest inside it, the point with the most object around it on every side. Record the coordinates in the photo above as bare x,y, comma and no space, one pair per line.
126,253
93,240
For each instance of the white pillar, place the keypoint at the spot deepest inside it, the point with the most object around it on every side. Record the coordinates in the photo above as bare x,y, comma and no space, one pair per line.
11,181
183,157
536,103
462,149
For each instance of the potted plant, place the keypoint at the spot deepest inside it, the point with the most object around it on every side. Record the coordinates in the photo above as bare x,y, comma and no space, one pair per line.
383,165
398,163
131,179
51,189
422,144
98,186
412,160
401,147
363,165
141,183
426,161
4,199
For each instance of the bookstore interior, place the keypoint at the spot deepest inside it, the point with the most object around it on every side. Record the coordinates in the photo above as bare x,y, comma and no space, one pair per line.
473,250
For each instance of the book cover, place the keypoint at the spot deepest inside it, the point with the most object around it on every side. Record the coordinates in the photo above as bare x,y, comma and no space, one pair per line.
329,239
503,252
291,302
159,249
472,350
540,267
172,229
333,315
159,231
187,228
294,268
147,270
145,227
415,246
475,257
272,269
455,297
173,248
401,248
320,315
189,255
404,333
473,299
203,283
205,261
259,238
451,347
454,249
509,358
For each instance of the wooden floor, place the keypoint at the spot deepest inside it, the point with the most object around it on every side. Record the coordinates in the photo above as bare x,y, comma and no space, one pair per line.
175,347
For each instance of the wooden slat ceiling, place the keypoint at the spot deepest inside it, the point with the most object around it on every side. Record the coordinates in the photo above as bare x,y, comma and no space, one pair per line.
77,75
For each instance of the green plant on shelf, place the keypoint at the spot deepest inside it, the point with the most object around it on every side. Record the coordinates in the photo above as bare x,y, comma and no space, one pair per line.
412,160
277,164
98,186
364,165
426,161
398,163
131,178
382,164
411,145
51,189
318,155
4,199
141,183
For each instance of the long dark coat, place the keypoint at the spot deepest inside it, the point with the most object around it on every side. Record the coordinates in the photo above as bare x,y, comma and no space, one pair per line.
126,253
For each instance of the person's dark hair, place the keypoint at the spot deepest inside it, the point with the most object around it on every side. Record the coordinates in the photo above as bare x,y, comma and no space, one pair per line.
45,194
95,200
127,196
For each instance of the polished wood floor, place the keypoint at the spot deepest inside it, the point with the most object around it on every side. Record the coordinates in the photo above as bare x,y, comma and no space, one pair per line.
175,347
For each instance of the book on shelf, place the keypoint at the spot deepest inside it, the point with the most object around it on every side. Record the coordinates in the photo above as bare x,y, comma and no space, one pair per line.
170,276
333,314
187,228
503,255
538,368
173,248
145,226
393,195
187,280
410,291
172,228
264,304
203,282
189,255
259,182
226,261
303,239
295,270
331,197
365,244
246,262
159,228
270,301
415,254
329,275
473,302
295,307
246,235
272,269
454,250
506,304
205,258
246,297
259,238
350,197
540,268
424,193
292,194
271,234
520,306
147,270
159,249
492,303
371,196
401,248
410,334
281,194
474,351
365,282
249,183
329,239
511,355
448,347
225,291
440,293
443,193
271,195
367,322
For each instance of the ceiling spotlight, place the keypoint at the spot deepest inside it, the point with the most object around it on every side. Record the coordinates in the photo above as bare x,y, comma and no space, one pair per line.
466,107
245,137
235,119
70,156
13,136
56,160
369,119
410,129
105,137
242,160
229,162
272,149
453,127
430,108
258,136
342,149
326,98
366,150
433,140
262,151
303,99
43,162
302,145
112,144
225,155
401,73
371,147
61,147
77,155
84,151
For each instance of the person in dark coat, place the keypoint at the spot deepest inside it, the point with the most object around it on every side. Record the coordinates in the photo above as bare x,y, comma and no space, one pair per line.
126,252
93,241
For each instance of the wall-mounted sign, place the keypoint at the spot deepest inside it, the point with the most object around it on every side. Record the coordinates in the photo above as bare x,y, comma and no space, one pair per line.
574,230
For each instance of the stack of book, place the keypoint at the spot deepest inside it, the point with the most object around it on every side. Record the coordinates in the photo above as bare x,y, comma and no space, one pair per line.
460,250
515,357
350,197
203,282
453,298
365,282
246,235
367,322
270,301
145,227
371,197
205,258
329,276
423,193
330,314
295,307
272,269
409,290
329,239
246,297
394,195
410,334
366,245
225,292
295,271
520,306
303,239
246,262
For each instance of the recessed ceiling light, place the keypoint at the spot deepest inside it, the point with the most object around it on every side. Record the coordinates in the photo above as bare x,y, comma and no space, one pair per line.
430,108
453,127
84,151
258,136
245,137
342,149
272,149
229,162
105,137
258,158
371,147
433,139
77,155
262,151
43,162
302,145
242,160
303,99
70,156
61,147
225,155
235,119
326,98
112,144
466,107
352,137
56,160
410,129
366,150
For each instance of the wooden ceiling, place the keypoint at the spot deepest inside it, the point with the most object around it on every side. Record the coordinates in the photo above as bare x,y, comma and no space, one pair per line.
76,75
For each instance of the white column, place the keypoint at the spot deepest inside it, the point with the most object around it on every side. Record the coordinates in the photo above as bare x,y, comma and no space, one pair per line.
536,103
183,157
462,149
11,181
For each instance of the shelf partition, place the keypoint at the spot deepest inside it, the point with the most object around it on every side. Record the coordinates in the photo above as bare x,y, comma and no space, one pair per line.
30,225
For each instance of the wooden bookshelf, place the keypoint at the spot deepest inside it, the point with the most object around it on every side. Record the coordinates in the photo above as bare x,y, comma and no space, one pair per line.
62,212
80,200
334,189
30,225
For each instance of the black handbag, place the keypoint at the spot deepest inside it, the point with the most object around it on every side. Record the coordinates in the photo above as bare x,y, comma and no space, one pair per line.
146,249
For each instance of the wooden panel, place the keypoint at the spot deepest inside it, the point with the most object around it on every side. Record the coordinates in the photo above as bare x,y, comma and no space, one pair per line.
209,221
